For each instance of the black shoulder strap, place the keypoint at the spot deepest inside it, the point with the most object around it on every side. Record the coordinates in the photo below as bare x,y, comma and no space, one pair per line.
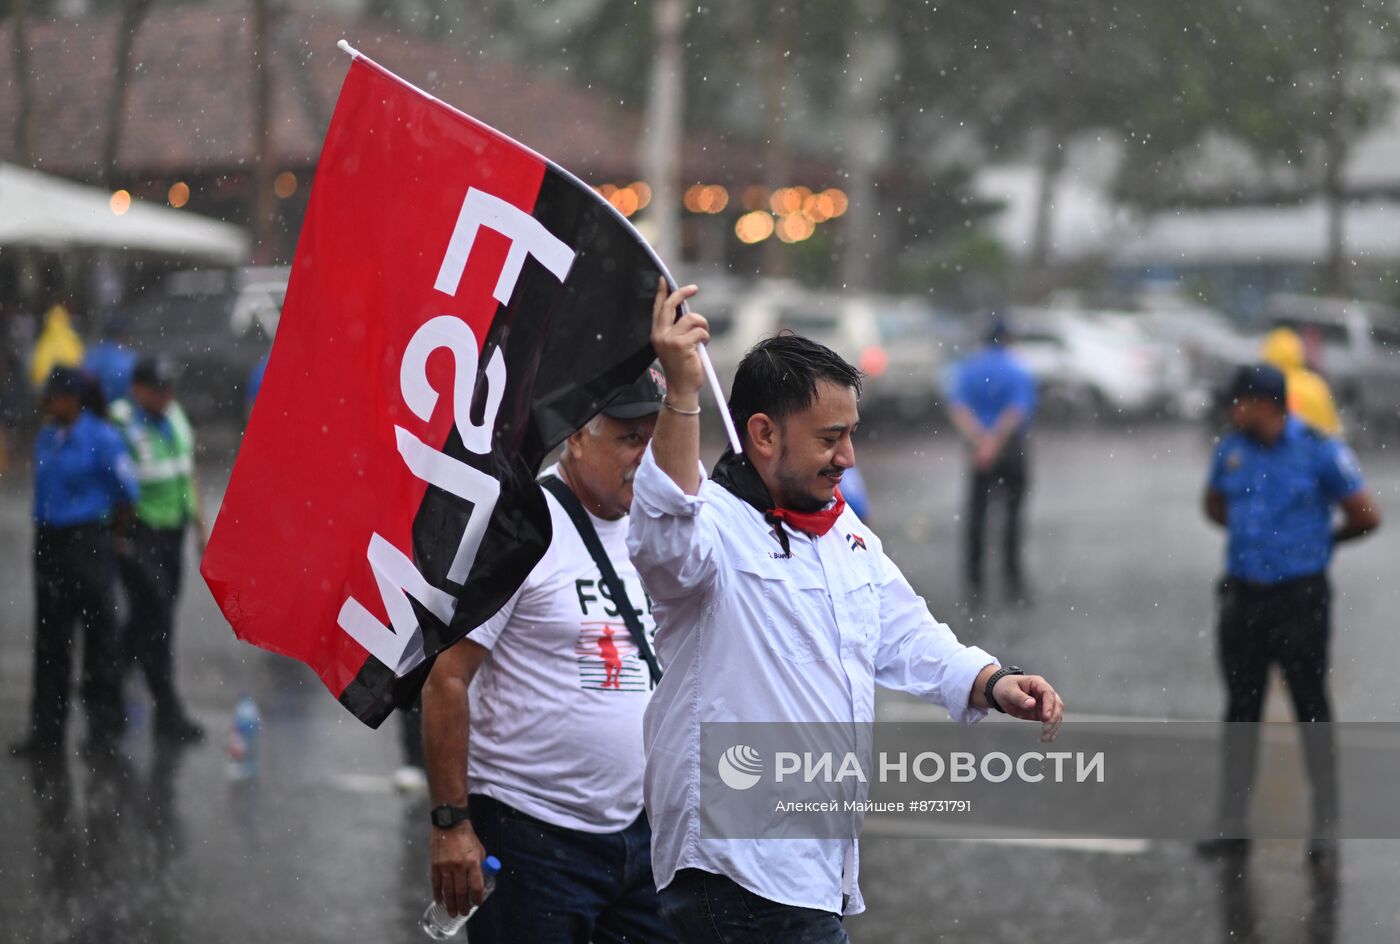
616,588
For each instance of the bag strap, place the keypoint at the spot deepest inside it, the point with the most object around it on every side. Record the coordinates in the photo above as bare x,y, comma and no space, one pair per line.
616,589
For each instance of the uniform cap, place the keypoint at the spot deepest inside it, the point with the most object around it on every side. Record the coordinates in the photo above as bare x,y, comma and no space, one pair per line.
1261,381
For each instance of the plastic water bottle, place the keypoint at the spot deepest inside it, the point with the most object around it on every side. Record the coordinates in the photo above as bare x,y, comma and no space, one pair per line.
243,739
439,925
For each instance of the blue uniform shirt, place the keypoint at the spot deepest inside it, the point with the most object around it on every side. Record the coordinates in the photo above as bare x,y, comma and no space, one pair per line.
81,473
1279,501
990,381
112,365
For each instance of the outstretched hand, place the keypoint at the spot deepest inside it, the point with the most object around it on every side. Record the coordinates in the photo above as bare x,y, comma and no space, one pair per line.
1031,698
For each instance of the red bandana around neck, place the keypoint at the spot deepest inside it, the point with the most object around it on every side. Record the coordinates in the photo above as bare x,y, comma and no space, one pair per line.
815,523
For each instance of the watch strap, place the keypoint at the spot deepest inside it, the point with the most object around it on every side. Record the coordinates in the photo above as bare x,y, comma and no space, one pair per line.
446,816
997,676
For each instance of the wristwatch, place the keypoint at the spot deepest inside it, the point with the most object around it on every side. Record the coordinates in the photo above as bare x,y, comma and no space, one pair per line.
992,682
447,815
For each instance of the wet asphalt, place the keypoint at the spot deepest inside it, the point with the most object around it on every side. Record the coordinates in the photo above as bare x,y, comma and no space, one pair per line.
162,845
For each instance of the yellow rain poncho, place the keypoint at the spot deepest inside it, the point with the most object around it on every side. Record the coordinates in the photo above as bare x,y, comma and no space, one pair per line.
58,346
1309,397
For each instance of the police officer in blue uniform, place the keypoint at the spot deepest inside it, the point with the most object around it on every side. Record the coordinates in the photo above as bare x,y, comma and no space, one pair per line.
992,402
84,483
1275,485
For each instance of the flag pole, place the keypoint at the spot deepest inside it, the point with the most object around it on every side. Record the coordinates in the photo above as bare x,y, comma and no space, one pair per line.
716,388
718,391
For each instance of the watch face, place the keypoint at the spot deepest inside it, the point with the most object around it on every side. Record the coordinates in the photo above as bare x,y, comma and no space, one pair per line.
445,817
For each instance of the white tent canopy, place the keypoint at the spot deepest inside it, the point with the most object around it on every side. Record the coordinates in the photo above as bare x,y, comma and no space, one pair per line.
47,212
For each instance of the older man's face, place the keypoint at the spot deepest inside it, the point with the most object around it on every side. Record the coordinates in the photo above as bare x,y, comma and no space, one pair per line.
603,459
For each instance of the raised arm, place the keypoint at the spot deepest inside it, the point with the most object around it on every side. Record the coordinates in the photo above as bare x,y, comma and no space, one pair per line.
676,442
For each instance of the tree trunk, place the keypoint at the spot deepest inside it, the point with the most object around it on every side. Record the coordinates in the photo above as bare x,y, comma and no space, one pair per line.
1335,145
777,161
1335,279
264,208
867,137
24,117
1036,281
662,144
128,25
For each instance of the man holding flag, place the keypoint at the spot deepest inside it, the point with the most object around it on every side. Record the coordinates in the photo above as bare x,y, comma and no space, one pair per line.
548,745
769,609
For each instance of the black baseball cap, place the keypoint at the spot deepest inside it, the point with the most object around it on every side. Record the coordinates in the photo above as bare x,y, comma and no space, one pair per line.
65,381
643,398
155,372
1260,381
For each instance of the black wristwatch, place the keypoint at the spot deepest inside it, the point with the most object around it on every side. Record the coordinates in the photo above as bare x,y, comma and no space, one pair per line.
447,815
997,677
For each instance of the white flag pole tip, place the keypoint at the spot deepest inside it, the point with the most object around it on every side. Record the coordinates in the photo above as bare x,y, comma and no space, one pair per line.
345,47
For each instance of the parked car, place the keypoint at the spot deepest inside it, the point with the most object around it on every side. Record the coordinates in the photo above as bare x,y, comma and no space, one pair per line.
1097,365
216,325
901,344
1211,346
1356,347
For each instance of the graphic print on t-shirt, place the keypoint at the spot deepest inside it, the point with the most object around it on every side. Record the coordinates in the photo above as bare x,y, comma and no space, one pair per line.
607,658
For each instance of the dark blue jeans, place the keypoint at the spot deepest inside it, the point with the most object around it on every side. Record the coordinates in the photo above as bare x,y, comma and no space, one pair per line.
704,908
562,885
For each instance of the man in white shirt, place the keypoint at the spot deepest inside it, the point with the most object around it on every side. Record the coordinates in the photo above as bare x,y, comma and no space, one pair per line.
537,716
769,609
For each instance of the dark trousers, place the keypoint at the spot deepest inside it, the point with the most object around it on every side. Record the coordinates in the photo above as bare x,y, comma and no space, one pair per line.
151,572
1288,625
1007,478
562,885
74,570
705,908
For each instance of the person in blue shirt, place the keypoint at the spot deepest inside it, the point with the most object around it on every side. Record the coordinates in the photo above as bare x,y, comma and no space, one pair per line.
84,483
992,403
111,361
1275,485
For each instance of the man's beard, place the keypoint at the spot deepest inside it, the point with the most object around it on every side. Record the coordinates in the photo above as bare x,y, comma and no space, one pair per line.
796,491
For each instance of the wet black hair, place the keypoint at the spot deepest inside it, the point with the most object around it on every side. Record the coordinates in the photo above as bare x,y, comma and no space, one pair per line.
778,377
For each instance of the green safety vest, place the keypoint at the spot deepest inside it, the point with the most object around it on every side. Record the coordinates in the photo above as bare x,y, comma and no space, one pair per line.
164,463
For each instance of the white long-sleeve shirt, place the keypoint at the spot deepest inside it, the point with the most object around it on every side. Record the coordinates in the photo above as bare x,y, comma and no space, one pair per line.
748,633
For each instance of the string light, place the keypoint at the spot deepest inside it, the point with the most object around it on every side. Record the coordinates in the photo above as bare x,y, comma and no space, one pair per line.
753,227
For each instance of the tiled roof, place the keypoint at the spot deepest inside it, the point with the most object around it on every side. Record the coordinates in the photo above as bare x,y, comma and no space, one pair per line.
190,104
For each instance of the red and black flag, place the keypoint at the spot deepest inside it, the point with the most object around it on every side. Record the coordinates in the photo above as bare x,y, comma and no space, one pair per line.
458,306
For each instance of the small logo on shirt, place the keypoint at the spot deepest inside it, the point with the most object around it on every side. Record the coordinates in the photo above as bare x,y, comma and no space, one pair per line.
856,541
607,659
741,767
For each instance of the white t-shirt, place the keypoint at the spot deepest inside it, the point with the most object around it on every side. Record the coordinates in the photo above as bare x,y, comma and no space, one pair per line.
556,709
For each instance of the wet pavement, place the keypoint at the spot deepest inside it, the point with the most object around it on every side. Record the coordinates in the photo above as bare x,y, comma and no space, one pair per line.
164,846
